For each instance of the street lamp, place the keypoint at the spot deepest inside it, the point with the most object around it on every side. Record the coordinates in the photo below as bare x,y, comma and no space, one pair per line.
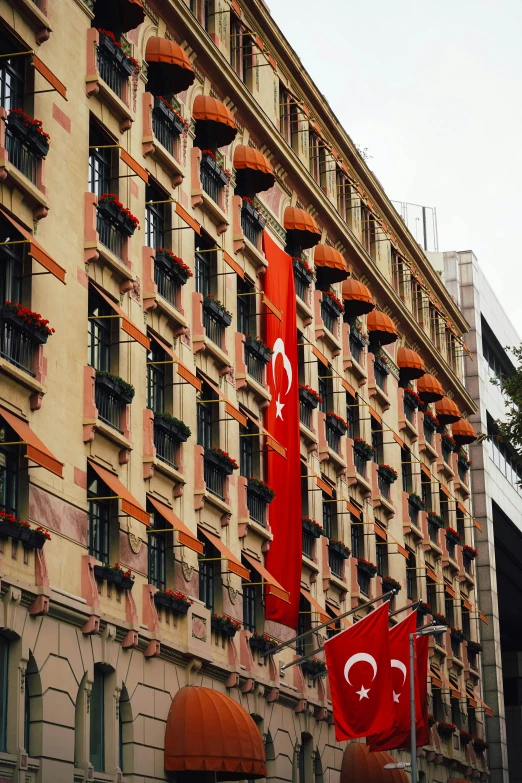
426,630
398,765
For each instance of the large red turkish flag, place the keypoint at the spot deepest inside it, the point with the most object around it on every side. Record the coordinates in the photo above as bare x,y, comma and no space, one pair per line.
359,671
284,557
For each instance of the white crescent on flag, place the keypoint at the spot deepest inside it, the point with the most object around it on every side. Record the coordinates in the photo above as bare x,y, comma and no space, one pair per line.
279,349
395,664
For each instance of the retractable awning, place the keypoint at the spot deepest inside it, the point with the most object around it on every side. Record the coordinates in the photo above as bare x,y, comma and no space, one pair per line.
272,585
323,614
233,564
185,537
127,324
129,505
36,251
36,451
183,371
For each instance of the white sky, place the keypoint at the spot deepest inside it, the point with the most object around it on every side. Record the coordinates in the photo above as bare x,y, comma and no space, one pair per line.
433,90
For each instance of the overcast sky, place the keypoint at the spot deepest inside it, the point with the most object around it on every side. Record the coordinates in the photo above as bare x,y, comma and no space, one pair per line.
433,91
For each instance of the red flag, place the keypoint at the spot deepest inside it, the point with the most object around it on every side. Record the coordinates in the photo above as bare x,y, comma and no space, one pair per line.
284,557
359,672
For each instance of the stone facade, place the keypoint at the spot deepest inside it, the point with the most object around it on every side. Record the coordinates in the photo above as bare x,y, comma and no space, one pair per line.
79,651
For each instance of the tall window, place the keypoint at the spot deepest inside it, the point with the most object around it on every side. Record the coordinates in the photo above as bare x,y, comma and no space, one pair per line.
304,623
4,667
246,449
11,264
156,374
317,157
99,515
330,515
377,442
204,415
344,197
208,571
426,491
357,536
100,160
444,507
289,117
12,74
449,610
411,577
381,547
99,348
8,472
205,266
250,601
155,217
97,721
157,554
406,470
246,307
352,416
431,593
324,387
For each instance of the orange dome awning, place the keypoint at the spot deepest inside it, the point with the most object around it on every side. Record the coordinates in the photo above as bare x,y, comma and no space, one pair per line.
330,264
381,327
118,16
429,388
410,364
254,172
447,411
301,229
363,766
215,125
210,732
170,69
463,432
357,298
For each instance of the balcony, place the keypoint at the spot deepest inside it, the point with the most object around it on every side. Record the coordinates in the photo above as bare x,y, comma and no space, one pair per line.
17,345
384,486
21,156
216,319
169,433
252,222
215,480
257,356
114,66
381,372
167,125
303,277
331,309
364,582
308,543
257,506
335,561
112,394
110,236
213,178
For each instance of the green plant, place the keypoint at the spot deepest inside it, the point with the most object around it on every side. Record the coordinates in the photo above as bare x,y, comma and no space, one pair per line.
263,486
186,431
128,388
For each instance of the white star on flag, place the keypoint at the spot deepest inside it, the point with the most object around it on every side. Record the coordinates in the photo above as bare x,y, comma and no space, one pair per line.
363,693
279,408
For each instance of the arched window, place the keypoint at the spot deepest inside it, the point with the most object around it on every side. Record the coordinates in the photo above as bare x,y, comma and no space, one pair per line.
97,721
124,731
4,662
32,692
305,760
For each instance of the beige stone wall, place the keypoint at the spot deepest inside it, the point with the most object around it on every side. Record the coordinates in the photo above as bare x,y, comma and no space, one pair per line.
52,607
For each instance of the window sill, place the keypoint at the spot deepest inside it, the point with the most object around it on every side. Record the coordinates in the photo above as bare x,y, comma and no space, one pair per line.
357,369
310,564
260,530
410,527
429,544
111,260
202,200
428,449
338,583
37,20
110,433
34,197
222,358
443,465
380,396
463,488
468,577
152,148
307,434
166,469
253,254
260,392
304,311
166,307
385,504
22,376
361,481
333,456
324,334
412,431
109,98
213,500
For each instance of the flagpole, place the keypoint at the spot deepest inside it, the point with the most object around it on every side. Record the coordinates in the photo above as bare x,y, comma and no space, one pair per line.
413,716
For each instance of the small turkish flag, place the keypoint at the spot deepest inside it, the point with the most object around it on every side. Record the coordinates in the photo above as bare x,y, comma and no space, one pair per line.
359,671
400,665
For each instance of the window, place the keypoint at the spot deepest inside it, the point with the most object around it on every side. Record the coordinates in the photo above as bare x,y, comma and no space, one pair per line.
12,74
155,217
101,156
11,264
124,726
156,377
344,197
202,10
4,669
316,150
497,361
305,759
205,416
504,457
208,571
325,387
411,577
251,602
368,231
377,442
444,507
304,624
97,721
99,348
289,118
206,263
330,515
157,551
431,593
99,516
246,451
246,307
426,491
449,611
401,276
381,547
357,536
352,416
9,461
406,470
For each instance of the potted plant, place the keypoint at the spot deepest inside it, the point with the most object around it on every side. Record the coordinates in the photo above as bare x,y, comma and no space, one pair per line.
340,547
115,574
254,215
469,552
111,208
208,161
225,625
358,337
262,642
435,519
115,385
332,304
221,460
313,667
303,271
446,729
474,647
312,527
463,460
452,535
448,443
424,608
164,109
465,738
388,583
260,489
256,347
416,502
173,265
29,131
381,363
387,473
431,422
109,44
366,567
457,634
411,398
336,423
309,396
20,530
175,427
480,745
217,310
174,600
440,619
363,449
27,321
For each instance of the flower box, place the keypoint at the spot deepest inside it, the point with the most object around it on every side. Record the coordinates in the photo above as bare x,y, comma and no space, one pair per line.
336,424
412,399
303,272
446,729
340,548
225,625
18,530
175,601
469,552
221,460
112,210
448,443
416,502
214,308
312,527
168,113
381,364
366,567
440,619
256,347
457,635
465,738
253,214
332,304
262,642
314,667
424,608
309,397
114,575
260,489
434,519
167,423
109,45
387,473
29,131
116,386
452,535
172,265
209,162
388,583
430,421
463,461
358,337
480,745
31,324
474,647
363,449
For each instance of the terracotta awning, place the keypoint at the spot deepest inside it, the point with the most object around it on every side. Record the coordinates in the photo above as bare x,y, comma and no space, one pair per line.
463,432
231,409
487,709
435,679
118,16
429,388
254,172
36,251
232,562
360,765
272,585
185,537
129,505
36,451
321,611
169,67
215,126
335,611
210,732
448,686
330,264
271,442
410,364
301,229
127,324
447,411
381,327
357,298
183,371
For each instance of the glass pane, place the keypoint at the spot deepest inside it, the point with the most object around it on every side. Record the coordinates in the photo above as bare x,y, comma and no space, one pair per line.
96,711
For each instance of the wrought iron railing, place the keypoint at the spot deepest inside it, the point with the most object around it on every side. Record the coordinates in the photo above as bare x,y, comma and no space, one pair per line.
308,544
167,446
455,647
380,376
451,547
250,227
255,367
109,407
16,346
109,235
462,472
428,434
409,412
328,316
300,286
468,568
210,182
332,438
110,72
214,330
355,350
21,156
163,131
414,514
305,414
335,561
167,286
215,480
384,486
364,582
360,463
433,531
447,451
256,507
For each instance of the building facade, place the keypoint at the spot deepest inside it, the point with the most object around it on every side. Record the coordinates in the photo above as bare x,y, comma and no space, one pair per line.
197,121
497,505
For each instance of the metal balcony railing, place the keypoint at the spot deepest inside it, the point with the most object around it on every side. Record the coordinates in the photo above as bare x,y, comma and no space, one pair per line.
446,452
308,544
109,407
166,446
364,582
109,235
21,156
380,377
167,286
210,182
360,464
328,317
335,561
355,350
256,508
215,480
111,72
250,227
164,131
384,487
332,438
16,346
214,330
255,367
305,414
